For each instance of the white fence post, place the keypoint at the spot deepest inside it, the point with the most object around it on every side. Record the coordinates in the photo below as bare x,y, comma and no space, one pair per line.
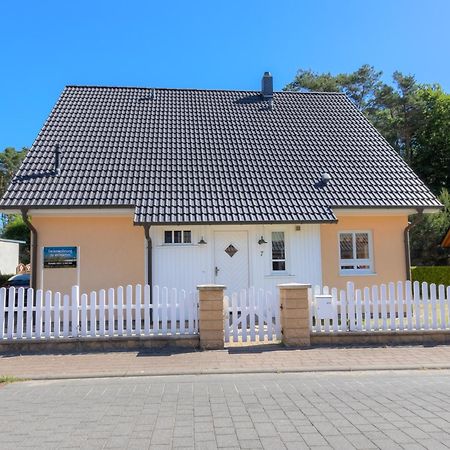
75,299
83,315
57,315
101,312
426,320
351,305
111,311
120,311
30,312
138,309
11,308
147,310
38,326
93,314
20,313
129,305
2,311
66,316
48,314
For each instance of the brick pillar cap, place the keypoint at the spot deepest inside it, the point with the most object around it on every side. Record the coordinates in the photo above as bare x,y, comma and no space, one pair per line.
294,286
211,287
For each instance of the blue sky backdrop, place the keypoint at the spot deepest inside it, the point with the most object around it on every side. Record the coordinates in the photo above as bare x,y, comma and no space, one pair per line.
46,45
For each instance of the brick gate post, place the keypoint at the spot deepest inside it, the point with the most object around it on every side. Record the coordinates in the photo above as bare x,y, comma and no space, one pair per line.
294,314
211,317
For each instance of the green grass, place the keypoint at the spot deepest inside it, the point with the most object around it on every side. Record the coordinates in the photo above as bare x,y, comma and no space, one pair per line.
5,379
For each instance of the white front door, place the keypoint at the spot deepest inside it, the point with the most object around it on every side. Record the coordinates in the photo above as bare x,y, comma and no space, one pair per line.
231,260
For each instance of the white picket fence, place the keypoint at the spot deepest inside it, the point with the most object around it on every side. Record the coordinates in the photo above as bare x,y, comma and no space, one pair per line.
107,313
252,316
401,306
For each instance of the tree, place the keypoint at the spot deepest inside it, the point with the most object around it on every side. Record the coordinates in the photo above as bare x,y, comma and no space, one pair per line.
398,113
17,229
431,145
10,161
361,86
426,236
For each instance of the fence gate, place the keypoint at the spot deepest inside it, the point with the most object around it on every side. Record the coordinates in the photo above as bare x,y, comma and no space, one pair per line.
252,316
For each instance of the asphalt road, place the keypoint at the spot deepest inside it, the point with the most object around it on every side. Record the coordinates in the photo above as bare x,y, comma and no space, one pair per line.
342,410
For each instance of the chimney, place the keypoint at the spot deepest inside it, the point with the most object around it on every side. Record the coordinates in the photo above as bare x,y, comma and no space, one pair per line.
267,86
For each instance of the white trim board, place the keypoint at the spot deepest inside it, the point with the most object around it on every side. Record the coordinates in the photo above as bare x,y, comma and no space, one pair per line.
88,212
381,211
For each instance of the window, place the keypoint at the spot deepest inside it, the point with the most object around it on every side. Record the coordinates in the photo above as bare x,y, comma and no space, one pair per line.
177,237
355,252
278,251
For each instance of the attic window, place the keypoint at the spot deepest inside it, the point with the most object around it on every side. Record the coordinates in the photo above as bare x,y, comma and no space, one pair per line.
177,237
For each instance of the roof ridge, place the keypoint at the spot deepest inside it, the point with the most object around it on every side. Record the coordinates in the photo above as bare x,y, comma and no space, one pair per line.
88,86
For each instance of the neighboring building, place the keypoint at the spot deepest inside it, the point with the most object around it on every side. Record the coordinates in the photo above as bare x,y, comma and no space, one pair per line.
9,256
178,187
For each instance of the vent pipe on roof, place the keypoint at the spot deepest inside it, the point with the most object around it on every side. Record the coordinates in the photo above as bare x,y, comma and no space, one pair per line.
56,168
325,177
267,86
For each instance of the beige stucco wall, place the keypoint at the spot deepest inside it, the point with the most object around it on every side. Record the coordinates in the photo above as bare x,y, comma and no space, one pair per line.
111,252
388,249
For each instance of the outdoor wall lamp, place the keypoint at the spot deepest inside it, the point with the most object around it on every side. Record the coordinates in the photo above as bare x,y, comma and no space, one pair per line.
262,243
202,241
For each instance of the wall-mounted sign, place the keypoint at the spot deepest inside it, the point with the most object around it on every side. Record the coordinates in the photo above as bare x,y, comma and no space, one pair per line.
58,257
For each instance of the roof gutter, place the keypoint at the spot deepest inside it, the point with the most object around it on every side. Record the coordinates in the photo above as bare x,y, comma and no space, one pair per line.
34,246
417,219
149,260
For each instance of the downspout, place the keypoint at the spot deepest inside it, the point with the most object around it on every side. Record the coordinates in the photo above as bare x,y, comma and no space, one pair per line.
149,259
34,246
410,225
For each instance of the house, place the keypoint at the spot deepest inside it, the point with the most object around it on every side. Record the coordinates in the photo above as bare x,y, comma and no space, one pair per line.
176,187
9,256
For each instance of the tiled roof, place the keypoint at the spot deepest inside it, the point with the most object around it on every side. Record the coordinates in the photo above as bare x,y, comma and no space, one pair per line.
199,156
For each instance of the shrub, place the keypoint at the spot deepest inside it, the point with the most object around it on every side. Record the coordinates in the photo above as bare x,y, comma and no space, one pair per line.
4,279
431,274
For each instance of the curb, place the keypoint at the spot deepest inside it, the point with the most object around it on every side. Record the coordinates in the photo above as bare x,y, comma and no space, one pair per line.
203,372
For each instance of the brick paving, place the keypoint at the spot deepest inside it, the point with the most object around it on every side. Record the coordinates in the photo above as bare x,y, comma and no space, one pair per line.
363,410
266,358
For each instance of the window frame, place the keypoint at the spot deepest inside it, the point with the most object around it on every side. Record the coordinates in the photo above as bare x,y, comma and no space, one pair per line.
272,260
178,244
355,261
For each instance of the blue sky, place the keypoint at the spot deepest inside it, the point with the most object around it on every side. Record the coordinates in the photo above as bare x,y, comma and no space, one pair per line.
204,44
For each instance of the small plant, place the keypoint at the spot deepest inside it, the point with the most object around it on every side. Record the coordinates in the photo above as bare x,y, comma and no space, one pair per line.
4,379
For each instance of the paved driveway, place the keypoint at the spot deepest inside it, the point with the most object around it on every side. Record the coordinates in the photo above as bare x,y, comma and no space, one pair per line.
405,409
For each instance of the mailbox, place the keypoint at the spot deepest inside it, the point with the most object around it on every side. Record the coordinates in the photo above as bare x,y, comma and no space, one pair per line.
324,306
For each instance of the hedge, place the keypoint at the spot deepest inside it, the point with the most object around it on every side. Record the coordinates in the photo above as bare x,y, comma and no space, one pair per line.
431,274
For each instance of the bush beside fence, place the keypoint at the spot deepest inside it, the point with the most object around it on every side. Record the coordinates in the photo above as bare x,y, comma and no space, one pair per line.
431,274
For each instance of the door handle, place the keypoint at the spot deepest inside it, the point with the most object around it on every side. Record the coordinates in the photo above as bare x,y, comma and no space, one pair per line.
216,270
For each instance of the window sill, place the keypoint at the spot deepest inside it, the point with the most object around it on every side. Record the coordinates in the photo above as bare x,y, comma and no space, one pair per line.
357,274
279,275
178,245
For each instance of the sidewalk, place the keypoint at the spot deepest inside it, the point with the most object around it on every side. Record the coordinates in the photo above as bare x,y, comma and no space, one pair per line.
257,359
